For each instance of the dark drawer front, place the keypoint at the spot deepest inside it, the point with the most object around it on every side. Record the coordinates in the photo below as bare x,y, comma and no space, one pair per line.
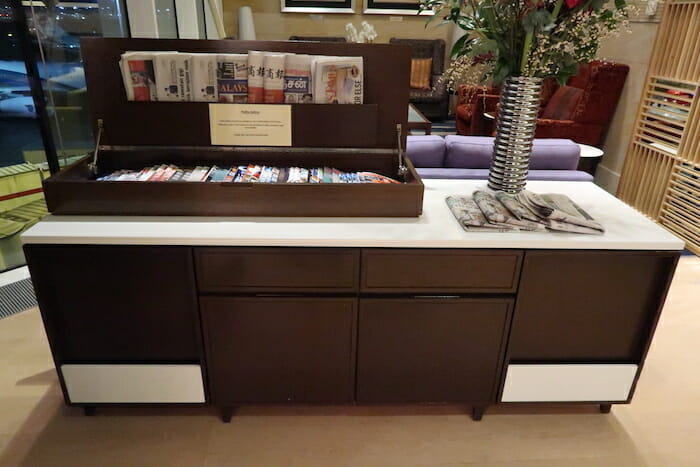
117,303
488,271
588,306
286,349
430,350
277,269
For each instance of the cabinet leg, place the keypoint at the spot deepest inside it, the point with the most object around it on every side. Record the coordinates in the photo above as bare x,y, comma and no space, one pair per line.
227,413
478,413
89,410
605,408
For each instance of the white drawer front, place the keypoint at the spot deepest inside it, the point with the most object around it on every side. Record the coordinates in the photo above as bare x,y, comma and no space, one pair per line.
134,383
568,382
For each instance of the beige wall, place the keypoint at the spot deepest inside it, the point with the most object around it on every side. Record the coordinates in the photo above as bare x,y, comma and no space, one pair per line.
271,24
633,49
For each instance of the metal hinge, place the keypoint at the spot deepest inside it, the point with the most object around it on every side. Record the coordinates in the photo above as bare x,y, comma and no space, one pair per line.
402,169
93,164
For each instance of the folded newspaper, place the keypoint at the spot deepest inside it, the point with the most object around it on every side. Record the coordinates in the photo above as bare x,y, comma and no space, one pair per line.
526,211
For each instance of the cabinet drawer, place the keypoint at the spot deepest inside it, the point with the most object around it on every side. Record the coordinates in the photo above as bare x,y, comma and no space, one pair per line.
569,383
277,269
281,349
440,270
138,384
430,350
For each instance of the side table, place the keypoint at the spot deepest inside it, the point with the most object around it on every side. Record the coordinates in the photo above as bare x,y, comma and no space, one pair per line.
590,158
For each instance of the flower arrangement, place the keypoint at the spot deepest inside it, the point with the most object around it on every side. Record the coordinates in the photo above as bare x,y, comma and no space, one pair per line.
366,34
534,38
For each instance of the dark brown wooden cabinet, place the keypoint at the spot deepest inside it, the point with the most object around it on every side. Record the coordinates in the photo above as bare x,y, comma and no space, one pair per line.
117,303
344,325
280,349
431,350
589,306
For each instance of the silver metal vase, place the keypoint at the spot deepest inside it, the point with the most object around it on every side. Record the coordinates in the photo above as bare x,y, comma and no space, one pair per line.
515,131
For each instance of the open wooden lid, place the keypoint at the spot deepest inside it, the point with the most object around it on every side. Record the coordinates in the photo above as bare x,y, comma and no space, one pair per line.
370,125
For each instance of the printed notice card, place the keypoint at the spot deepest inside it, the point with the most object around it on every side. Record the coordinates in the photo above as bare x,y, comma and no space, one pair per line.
250,124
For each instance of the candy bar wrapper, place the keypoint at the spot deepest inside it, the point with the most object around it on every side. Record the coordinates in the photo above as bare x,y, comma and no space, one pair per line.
297,79
338,80
273,81
232,78
256,72
173,76
204,78
138,73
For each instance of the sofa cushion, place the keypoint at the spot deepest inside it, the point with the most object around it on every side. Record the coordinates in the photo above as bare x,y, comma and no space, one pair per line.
475,152
421,72
426,150
563,103
483,174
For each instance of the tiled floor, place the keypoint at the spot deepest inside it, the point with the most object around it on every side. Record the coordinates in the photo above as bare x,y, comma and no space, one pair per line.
660,428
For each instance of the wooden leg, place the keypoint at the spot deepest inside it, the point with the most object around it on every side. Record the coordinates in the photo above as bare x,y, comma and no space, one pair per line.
605,408
227,413
478,413
89,410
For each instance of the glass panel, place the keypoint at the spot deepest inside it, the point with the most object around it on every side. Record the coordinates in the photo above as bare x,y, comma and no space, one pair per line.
22,160
55,28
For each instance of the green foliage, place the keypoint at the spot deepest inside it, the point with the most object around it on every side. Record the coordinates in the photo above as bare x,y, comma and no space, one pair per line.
529,38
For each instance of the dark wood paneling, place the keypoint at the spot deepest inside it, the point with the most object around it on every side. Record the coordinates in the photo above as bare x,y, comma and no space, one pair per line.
440,270
386,90
117,303
263,349
277,269
588,306
430,350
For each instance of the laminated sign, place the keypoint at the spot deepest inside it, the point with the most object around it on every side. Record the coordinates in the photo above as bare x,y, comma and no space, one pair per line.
250,125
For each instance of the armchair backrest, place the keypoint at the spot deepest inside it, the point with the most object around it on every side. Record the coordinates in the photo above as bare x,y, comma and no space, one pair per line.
602,84
426,48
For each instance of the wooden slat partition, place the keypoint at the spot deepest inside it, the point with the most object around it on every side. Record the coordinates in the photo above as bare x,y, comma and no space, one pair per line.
661,175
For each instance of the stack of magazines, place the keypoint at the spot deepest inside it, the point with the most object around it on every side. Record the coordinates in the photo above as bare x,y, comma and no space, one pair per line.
255,77
244,174
526,211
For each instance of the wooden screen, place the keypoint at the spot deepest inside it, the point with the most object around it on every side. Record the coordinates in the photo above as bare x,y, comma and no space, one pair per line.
661,175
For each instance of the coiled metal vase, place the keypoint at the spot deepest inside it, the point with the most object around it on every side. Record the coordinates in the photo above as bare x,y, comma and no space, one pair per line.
515,131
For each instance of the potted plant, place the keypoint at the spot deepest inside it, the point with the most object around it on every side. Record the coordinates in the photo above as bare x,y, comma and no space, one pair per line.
521,42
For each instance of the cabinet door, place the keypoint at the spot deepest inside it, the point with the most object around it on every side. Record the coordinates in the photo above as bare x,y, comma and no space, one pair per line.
279,349
117,303
430,350
588,306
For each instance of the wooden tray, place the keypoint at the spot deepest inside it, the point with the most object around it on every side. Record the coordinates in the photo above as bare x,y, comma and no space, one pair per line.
139,134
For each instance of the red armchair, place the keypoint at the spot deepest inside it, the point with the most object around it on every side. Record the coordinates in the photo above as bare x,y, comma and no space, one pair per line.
580,111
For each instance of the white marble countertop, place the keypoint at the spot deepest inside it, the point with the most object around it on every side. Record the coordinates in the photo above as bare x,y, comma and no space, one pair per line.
626,229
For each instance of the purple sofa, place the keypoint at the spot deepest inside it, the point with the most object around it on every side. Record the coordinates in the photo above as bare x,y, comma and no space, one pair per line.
469,157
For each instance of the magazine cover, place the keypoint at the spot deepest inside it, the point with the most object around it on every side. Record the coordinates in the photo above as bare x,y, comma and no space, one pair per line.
338,80
138,72
173,78
297,79
273,79
232,78
255,77
204,84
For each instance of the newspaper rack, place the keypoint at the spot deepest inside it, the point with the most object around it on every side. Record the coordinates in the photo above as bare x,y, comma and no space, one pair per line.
138,134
